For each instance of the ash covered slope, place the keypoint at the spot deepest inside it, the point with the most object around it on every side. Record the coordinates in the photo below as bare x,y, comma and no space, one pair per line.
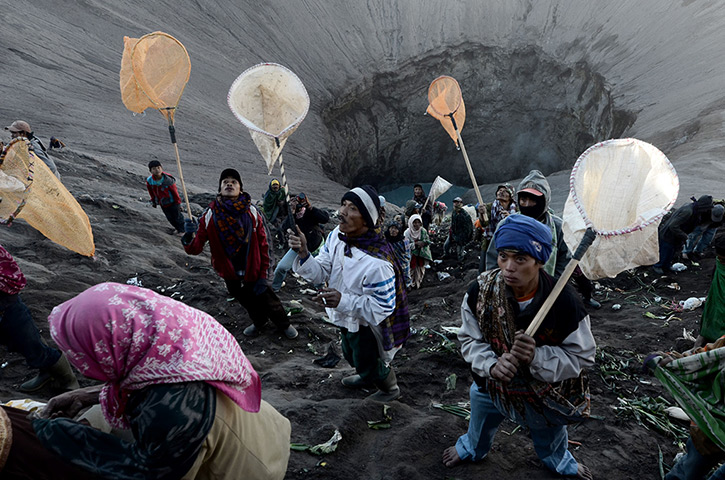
61,60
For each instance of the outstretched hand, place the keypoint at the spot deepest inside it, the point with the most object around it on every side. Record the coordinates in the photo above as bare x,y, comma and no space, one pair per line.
298,242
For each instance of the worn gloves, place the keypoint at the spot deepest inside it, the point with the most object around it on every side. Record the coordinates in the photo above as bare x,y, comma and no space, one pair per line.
190,225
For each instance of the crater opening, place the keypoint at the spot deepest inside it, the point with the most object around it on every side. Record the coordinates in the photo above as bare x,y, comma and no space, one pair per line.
524,110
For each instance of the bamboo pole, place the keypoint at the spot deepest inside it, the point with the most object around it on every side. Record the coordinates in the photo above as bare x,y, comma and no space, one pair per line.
468,162
584,245
172,133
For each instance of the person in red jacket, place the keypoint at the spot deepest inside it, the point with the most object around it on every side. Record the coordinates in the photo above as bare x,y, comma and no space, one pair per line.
162,189
235,231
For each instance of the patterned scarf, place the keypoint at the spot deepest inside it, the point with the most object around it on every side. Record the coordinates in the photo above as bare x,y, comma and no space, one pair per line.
396,328
558,403
234,223
496,216
131,337
12,279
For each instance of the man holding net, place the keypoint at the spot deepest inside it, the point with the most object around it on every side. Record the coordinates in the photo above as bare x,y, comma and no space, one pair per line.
537,382
239,253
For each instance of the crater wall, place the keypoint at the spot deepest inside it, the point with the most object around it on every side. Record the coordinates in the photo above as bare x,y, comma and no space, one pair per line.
541,80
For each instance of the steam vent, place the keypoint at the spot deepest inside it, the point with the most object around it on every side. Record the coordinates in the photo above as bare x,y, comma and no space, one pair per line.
542,81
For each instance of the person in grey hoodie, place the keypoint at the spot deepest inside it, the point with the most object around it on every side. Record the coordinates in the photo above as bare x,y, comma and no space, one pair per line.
533,197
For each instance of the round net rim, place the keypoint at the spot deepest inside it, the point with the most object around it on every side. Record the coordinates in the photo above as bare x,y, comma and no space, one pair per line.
133,70
252,126
460,95
580,208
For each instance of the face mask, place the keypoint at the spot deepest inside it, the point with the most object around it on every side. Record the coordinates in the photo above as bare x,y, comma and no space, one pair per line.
535,211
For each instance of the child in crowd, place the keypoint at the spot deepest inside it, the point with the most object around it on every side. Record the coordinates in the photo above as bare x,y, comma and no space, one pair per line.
162,189
420,249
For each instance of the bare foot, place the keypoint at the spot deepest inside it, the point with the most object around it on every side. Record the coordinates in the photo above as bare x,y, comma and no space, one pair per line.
584,473
450,457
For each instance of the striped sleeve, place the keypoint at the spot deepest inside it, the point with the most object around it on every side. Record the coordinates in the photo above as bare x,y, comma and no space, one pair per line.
377,301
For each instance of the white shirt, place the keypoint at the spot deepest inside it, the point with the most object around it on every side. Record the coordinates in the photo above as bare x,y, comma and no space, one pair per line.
366,283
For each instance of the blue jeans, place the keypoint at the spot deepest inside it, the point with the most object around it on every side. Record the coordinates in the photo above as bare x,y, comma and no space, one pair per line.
284,266
19,333
699,239
550,443
694,466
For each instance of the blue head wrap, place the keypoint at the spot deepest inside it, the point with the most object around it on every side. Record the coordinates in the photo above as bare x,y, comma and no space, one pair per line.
524,234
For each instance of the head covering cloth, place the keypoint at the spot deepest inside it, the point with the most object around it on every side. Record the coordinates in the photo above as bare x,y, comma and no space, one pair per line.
415,232
132,337
524,234
366,200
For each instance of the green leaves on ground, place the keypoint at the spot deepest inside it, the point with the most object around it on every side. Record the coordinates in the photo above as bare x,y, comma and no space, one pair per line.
460,409
383,424
322,448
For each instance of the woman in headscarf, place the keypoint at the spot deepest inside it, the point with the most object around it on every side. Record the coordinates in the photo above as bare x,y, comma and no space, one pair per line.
174,376
401,248
420,248
274,200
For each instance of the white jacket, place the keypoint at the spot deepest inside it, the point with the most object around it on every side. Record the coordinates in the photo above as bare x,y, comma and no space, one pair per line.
367,283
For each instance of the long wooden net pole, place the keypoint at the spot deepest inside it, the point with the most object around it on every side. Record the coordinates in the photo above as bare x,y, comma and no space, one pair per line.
172,133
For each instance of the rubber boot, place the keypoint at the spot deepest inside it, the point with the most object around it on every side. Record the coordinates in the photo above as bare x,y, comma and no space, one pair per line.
388,389
355,381
60,374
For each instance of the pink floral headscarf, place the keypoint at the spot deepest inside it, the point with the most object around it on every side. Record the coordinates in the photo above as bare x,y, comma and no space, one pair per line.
12,279
131,337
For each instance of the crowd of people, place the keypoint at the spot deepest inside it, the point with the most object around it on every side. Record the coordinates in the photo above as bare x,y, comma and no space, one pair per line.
177,397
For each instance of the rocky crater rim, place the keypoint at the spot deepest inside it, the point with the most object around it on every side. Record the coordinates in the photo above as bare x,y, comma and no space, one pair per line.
524,110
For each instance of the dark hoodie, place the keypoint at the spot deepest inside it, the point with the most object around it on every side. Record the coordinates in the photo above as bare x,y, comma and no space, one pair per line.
560,252
683,221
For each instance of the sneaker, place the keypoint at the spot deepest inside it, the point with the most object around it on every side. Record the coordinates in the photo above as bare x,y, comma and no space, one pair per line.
658,270
291,332
251,331
695,256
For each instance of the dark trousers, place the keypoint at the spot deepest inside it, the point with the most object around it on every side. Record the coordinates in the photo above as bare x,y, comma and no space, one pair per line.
667,254
360,349
427,217
19,333
583,284
262,307
174,216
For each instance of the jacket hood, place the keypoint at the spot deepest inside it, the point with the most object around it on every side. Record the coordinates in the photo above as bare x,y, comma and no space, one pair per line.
703,203
536,179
